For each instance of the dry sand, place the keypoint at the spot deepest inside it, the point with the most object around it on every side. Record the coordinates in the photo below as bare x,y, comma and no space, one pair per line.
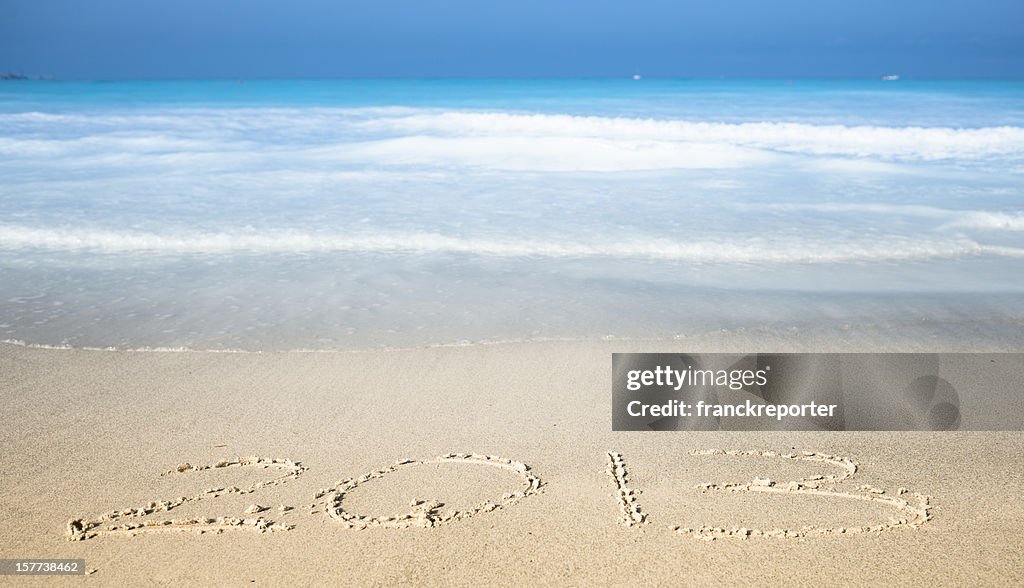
510,473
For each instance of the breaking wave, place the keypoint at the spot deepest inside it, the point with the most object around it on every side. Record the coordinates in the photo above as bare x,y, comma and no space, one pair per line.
251,242
188,129
861,141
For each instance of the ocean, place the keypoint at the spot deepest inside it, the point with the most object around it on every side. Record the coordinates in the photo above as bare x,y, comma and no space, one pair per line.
350,214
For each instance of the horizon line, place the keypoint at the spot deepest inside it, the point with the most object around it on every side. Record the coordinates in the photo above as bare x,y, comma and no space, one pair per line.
623,77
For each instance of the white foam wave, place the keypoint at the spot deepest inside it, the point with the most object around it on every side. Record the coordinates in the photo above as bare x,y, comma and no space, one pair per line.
176,128
737,251
508,153
989,220
962,219
862,141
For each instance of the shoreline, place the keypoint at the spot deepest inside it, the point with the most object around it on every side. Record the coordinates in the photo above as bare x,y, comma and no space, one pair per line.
935,336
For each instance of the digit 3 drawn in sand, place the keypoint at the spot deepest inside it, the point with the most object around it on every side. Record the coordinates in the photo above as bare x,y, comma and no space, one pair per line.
427,513
128,521
913,508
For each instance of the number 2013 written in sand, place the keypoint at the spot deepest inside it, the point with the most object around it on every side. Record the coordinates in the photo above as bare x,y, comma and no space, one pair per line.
908,509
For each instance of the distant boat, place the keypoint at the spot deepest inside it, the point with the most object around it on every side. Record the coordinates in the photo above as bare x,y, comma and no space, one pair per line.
890,78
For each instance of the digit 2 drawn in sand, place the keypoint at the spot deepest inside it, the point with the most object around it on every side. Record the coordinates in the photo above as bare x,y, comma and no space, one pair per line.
427,513
424,513
913,508
128,521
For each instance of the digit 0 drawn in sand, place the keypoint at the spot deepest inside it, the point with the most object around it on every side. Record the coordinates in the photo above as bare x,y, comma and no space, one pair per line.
427,513
629,508
126,522
914,509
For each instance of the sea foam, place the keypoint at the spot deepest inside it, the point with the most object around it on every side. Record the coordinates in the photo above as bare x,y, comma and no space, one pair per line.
145,218
738,250
444,135
859,141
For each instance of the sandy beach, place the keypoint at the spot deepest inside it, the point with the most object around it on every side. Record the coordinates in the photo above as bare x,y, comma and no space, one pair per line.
512,294
506,476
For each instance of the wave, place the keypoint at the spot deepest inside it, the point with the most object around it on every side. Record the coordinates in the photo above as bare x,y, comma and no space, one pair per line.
251,242
862,141
255,128
999,221
507,153
956,219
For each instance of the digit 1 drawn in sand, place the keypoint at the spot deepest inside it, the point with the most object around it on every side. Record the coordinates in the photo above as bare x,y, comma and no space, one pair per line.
126,521
914,508
628,506
426,513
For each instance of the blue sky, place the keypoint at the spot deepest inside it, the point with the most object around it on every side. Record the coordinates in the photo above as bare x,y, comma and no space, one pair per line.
116,39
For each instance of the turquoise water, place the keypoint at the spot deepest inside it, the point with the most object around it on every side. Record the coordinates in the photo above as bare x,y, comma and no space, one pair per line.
337,214
905,103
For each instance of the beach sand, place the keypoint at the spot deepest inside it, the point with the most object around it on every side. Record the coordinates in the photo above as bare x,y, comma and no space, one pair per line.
89,432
